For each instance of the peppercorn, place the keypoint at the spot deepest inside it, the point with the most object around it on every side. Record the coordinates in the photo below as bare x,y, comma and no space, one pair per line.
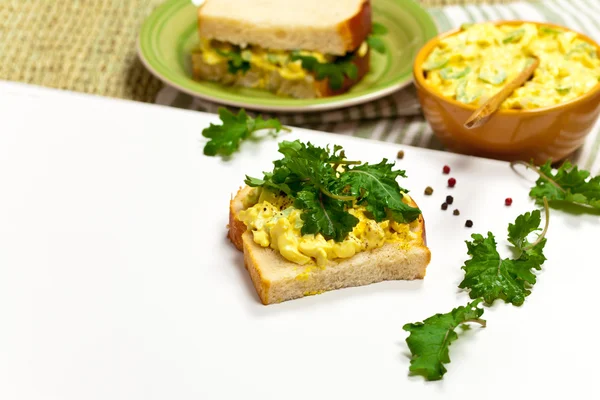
444,206
446,169
400,154
428,190
451,182
449,199
456,212
469,223
508,201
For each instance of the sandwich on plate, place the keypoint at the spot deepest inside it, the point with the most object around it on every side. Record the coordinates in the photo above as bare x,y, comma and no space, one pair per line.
302,49
319,222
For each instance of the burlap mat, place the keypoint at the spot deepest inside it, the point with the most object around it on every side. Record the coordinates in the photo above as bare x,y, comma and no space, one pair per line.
86,45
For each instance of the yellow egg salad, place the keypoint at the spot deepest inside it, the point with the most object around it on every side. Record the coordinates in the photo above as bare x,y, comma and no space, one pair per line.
474,64
275,223
215,52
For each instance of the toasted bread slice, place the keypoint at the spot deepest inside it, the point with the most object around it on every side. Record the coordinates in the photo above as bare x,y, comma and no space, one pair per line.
335,28
277,279
271,79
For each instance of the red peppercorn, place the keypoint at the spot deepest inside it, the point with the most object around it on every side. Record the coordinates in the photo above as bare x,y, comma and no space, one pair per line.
508,201
451,182
446,169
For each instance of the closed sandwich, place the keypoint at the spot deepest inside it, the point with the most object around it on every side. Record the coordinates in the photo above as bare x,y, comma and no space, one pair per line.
302,49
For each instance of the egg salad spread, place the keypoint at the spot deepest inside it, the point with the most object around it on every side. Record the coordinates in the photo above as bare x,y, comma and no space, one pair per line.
275,223
474,64
216,52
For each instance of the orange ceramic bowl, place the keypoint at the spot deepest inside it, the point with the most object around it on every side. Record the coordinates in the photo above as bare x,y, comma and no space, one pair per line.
534,134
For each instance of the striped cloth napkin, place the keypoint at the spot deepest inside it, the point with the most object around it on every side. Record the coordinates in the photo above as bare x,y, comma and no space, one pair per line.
397,118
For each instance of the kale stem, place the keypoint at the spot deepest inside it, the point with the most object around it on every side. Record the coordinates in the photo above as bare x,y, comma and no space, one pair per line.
480,321
543,234
335,196
540,173
345,162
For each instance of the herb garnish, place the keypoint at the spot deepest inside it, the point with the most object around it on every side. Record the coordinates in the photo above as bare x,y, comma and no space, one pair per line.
235,61
342,67
429,341
336,71
569,184
324,184
490,277
225,139
374,41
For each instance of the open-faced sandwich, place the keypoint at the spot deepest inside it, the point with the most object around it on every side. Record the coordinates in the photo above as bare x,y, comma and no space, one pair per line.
302,49
320,222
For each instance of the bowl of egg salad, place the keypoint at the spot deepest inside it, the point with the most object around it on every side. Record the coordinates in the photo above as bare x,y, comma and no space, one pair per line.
546,118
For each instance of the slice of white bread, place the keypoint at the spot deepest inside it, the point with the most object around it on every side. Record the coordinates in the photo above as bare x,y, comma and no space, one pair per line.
271,80
277,279
330,27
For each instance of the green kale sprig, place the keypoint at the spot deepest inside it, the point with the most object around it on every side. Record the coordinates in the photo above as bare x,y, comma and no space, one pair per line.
225,139
312,177
429,341
568,184
491,277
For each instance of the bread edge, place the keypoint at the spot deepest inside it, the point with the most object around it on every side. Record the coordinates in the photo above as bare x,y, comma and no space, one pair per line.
355,30
352,31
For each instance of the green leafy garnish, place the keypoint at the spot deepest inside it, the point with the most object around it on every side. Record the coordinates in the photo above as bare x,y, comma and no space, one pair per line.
378,29
451,73
514,36
225,139
563,90
374,41
376,44
335,72
429,341
376,188
491,277
568,184
235,61
325,186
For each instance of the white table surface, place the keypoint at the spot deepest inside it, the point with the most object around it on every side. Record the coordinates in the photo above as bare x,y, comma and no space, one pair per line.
117,282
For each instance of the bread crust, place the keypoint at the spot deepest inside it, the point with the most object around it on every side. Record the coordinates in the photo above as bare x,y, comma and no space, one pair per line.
343,37
307,88
277,279
355,30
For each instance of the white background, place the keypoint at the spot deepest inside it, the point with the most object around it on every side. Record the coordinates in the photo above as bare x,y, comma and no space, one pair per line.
117,281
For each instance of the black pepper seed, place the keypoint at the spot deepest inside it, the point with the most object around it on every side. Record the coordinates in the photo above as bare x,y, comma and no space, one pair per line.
449,199
428,190
444,206
469,223
400,154
456,212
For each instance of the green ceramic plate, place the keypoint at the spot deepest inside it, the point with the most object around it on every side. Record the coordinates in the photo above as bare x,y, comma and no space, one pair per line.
169,35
